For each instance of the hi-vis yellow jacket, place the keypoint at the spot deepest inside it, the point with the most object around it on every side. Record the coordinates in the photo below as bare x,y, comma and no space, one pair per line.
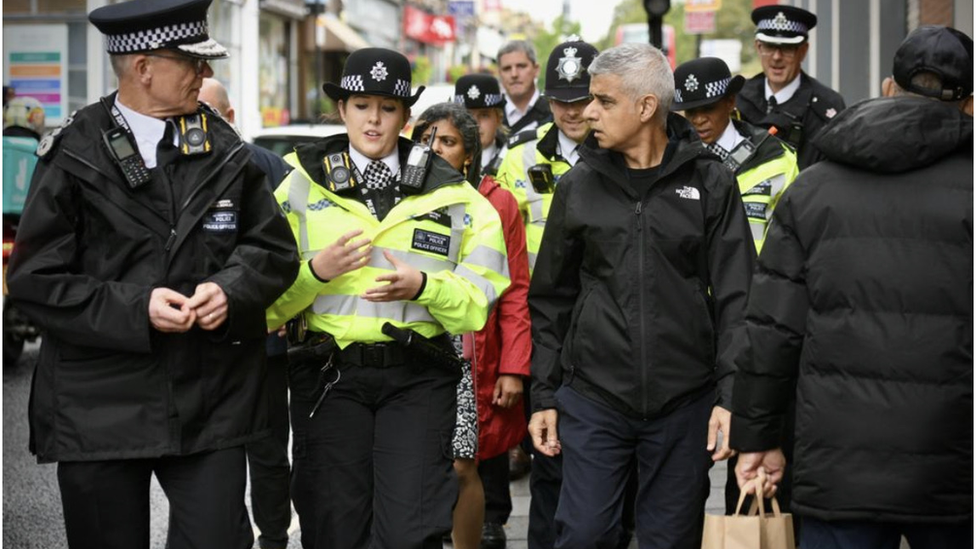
524,151
448,231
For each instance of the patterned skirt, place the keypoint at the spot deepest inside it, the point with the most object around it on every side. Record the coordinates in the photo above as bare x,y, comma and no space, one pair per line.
465,442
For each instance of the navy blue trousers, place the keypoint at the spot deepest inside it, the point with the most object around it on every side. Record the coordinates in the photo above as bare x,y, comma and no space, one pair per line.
599,445
851,534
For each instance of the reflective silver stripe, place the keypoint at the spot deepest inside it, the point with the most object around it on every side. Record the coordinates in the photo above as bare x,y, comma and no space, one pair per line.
533,198
493,260
348,305
298,190
532,258
481,282
456,211
417,261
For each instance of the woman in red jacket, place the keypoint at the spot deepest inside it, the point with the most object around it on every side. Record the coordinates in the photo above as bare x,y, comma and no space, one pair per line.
501,351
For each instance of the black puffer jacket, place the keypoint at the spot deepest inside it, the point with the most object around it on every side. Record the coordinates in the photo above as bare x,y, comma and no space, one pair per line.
635,300
89,252
863,297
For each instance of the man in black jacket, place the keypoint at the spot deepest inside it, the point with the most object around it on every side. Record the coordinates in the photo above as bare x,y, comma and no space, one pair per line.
149,249
636,298
862,301
267,459
784,96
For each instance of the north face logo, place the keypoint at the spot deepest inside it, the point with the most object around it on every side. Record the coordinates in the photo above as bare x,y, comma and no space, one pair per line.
690,193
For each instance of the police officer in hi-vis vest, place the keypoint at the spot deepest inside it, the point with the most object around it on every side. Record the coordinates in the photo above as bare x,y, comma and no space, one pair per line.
397,250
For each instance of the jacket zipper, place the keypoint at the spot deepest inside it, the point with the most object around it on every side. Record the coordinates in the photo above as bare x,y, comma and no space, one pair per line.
640,283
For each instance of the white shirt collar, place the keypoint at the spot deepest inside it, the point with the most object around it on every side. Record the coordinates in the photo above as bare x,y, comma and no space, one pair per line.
361,161
783,95
488,154
568,149
146,130
512,113
730,138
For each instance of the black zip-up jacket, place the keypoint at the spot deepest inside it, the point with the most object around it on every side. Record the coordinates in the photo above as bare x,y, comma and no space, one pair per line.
637,301
809,110
863,300
89,252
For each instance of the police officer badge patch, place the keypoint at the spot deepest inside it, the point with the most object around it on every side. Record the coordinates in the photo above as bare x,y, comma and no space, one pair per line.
378,71
570,66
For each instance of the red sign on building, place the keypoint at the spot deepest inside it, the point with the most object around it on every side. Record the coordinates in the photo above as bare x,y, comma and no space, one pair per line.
427,28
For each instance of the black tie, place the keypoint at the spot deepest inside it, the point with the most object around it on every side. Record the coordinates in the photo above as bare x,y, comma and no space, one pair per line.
771,104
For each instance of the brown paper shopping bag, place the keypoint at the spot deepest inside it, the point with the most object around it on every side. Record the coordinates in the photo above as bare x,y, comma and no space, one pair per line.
752,530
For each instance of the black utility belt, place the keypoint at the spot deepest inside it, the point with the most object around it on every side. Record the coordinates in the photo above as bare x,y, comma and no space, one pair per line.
374,355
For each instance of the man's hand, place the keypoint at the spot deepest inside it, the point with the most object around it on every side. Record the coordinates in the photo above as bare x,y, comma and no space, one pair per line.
720,422
767,465
403,284
508,391
342,256
209,302
542,428
168,311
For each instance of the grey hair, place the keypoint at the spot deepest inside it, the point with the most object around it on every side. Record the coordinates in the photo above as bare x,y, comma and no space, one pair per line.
466,125
642,69
120,64
518,45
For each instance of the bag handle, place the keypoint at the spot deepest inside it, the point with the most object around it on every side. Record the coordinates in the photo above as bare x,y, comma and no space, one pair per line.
774,505
757,502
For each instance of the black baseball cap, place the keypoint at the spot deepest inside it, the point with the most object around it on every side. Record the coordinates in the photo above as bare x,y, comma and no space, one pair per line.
567,77
939,50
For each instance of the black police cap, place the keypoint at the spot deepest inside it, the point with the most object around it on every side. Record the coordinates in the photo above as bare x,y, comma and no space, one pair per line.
703,81
145,25
374,71
942,51
567,77
783,24
478,91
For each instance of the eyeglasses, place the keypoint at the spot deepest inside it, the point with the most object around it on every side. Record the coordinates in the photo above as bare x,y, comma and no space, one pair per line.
788,51
197,63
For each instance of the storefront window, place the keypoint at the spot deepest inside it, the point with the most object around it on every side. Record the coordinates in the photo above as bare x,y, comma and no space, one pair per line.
273,70
223,15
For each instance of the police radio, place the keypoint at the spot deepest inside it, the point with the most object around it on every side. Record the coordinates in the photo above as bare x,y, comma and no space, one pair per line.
338,173
123,150
541,178
417,163
194,138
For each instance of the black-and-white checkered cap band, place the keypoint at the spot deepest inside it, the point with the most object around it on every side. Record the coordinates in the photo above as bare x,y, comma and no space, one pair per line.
717,89
490,99
782,24
357,84
191,37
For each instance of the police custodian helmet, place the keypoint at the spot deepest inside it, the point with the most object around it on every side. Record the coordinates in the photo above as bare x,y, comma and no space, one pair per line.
567,77
141,26
374,71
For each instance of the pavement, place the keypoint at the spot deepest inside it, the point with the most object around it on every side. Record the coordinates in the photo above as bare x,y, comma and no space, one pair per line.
32,516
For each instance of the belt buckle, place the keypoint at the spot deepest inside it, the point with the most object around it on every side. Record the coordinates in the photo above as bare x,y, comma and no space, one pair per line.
374,356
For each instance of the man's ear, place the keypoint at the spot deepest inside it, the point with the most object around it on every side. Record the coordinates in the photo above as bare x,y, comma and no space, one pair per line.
966,105
648,105
142,69
888,87
230,115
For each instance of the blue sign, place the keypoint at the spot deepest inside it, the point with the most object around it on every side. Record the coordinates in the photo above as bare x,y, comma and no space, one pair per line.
461,8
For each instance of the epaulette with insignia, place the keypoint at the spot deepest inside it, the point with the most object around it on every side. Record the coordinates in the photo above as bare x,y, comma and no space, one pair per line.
823,109
521,138
47,142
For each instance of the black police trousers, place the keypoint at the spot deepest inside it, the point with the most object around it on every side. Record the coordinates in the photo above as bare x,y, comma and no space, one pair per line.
106,503
374,466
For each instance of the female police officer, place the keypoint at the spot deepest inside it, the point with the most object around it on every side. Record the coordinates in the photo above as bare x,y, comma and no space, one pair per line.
388,236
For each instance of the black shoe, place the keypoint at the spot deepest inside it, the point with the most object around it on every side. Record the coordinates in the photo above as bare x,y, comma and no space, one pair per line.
492,536
519,463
